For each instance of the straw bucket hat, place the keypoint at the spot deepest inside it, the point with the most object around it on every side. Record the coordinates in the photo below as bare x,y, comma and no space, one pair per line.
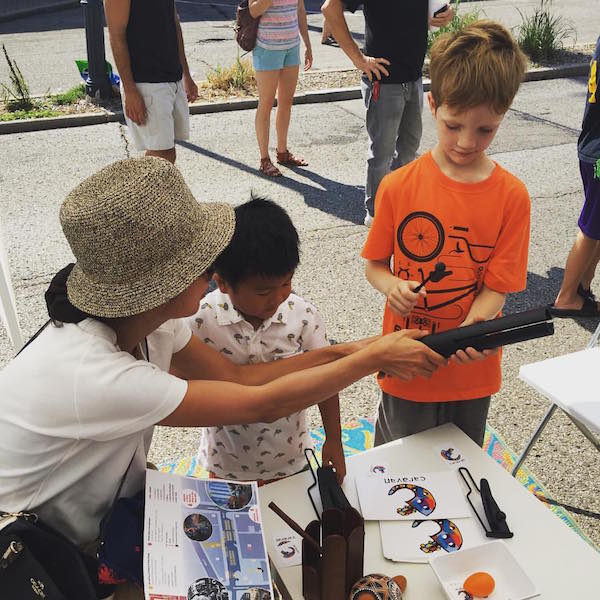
139,236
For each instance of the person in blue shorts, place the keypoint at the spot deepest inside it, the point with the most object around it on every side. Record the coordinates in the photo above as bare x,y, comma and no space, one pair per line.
276,59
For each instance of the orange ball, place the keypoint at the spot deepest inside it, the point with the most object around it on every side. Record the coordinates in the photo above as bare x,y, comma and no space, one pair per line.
479,584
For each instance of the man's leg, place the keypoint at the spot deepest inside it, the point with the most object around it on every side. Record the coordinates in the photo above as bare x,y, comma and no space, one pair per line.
590,273
410,129
384,114
166,154
157,136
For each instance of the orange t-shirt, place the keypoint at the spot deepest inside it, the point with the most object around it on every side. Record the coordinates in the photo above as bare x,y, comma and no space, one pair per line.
480,231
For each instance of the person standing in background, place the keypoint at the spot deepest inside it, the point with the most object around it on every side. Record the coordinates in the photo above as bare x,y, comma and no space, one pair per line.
276,59
392,63
156,85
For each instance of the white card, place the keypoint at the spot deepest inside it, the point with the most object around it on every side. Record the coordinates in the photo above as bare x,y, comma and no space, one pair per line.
450,455
411,496
419,541
288,549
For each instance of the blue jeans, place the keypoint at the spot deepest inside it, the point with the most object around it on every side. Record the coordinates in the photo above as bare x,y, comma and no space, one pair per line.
394,127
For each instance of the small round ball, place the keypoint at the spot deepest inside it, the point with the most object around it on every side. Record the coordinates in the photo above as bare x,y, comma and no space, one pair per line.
480,584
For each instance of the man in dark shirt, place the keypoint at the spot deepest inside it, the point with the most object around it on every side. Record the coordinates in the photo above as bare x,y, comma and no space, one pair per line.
575,298
156,84
392,62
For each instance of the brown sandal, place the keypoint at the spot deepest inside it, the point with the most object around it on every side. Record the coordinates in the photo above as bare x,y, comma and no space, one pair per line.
268,168
287,158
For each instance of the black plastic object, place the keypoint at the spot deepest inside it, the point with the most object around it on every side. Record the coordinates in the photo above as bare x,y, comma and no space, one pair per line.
498,528
511,329
330,491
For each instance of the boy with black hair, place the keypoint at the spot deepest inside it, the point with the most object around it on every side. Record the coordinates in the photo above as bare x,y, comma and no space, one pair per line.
456,206
254,317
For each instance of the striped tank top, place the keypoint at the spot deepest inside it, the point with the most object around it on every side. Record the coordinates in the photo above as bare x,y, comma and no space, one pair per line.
278,26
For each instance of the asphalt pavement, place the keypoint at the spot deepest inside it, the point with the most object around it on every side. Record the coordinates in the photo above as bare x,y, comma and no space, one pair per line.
537,142
45,46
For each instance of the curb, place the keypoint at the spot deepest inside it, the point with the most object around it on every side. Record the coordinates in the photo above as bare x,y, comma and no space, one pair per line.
314,97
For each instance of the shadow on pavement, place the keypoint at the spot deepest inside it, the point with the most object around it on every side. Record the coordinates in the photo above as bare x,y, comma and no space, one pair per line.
337,199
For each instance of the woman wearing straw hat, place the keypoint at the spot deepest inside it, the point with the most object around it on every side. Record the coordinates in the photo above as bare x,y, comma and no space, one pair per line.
82,399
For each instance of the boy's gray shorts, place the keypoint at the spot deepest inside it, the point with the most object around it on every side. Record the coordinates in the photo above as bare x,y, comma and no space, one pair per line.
397,418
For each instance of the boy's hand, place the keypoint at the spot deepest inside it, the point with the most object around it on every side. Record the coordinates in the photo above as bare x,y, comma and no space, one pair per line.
401,297
135,108
333,454
469,354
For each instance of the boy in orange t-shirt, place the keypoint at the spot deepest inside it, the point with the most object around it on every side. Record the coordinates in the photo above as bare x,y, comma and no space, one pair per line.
456,206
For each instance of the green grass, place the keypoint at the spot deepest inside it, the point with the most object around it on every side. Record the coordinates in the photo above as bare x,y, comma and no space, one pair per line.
541,35
35,113
71,96
458,22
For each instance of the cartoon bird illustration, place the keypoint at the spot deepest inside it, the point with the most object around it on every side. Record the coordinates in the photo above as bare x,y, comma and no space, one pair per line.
447,455
448,538
422,501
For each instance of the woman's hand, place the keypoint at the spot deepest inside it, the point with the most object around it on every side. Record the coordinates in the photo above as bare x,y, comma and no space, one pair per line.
308,58
402,355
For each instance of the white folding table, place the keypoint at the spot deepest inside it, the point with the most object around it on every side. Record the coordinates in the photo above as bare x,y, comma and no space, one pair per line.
8,310
572,383
560,562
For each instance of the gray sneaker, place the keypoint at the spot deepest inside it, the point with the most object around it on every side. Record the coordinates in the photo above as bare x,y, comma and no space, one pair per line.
368,220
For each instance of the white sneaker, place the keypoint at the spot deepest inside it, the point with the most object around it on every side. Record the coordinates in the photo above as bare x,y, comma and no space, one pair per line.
368,220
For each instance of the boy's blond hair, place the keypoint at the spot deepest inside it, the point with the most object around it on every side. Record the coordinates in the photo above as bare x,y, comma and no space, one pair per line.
480,64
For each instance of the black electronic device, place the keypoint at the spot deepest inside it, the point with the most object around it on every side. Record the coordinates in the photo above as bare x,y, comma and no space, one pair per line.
510,329
441,10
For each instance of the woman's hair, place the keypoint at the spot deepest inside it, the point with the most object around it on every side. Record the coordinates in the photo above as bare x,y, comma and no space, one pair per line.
480,64
265,242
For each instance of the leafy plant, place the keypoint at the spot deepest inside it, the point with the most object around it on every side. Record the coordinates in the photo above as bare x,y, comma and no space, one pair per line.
541,35
70,96
16,94
458,22
240,76
35,113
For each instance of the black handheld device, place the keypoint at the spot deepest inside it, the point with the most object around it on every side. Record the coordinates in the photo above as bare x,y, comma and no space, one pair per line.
439,11
511,329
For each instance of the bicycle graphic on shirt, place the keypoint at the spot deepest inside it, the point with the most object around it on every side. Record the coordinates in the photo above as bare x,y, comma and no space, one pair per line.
421,238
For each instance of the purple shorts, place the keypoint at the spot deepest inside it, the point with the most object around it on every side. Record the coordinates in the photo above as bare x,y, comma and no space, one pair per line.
589,219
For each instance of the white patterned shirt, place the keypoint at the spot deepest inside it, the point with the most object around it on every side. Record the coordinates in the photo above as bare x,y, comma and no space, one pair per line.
260,450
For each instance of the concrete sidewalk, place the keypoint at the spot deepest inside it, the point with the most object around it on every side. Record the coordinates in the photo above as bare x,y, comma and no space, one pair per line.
537,142
46,46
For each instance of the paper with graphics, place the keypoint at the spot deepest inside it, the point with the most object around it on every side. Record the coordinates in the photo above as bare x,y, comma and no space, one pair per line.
412,496
450,455
288,549
203,539
418,541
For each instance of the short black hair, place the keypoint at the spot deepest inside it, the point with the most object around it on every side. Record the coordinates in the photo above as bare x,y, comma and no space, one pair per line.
265,242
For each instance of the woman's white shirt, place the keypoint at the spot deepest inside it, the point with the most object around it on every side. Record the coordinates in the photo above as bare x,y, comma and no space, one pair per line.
74,410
